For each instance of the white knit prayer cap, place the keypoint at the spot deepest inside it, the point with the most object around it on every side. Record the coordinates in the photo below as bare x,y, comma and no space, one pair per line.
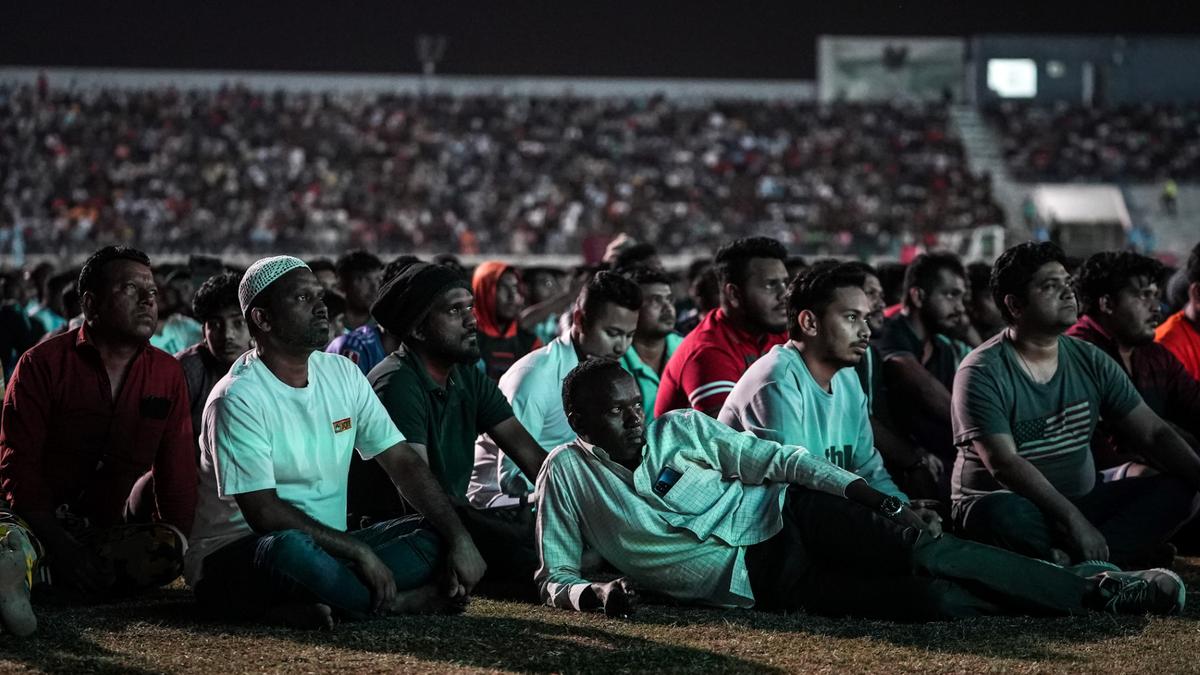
263,273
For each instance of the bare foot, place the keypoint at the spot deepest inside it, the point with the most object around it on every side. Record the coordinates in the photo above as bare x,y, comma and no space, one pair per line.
426,600
306,615
16,614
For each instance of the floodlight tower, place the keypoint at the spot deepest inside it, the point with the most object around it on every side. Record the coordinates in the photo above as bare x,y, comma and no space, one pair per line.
430,50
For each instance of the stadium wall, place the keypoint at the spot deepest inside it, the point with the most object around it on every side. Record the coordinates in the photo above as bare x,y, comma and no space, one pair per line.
1123,70
87,78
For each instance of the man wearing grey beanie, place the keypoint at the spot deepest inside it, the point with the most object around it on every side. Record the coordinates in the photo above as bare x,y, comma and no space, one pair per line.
278,432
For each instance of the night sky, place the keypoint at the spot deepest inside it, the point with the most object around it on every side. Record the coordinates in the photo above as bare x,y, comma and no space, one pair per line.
597,38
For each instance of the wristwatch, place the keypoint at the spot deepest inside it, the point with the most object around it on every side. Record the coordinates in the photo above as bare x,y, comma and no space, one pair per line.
891,506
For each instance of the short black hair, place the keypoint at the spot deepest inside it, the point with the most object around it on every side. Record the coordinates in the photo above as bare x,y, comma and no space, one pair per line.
864,268
215,294
814,289
1015,268
1193,266
647,275
92,273
356,263
923,272
1108,272
397,266
321,265
586,379
733,259
634,256
608,287
891,277
979,277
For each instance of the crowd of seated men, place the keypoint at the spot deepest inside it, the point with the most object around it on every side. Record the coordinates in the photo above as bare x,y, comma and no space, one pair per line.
338,440
1066,142
237,169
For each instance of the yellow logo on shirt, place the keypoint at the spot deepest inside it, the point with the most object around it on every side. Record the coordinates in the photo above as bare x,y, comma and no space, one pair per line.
341,425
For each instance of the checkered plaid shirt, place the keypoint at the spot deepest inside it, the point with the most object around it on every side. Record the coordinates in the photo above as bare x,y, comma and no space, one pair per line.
688,543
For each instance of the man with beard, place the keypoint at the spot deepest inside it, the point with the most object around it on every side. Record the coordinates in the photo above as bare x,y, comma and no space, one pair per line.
920,356
89,412
279,429
1026,404
441,402
690,509
602,327
655,340
751,319
805,392
503,336
1120,308
226,337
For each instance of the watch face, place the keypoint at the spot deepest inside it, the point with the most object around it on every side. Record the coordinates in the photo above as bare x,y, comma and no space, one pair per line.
890,506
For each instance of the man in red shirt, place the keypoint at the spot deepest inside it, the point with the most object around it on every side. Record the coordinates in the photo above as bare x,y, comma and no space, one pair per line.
88,413
1180,333
751,319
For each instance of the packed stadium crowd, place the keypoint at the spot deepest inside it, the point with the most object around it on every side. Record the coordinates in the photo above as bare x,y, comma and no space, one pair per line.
329,440
1063,142
238,169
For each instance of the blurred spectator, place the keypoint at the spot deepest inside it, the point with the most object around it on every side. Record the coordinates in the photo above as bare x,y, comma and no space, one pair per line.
244,170
1073,142
226,337
503,339
1181,331
359,275
326,272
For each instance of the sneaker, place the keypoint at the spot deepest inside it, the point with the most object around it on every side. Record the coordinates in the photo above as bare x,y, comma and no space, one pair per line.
1157,591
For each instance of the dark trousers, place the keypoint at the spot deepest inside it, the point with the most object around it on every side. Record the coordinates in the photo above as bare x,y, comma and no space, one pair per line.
1135,515
505,539
838,558
247,577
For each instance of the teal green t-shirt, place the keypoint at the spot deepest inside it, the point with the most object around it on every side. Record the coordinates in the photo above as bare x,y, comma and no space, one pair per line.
1050,423
778,399
647,380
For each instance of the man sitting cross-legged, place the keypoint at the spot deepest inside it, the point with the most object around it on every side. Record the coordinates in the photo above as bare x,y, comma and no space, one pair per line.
441,401
806,392
1026,403
278,433
89,412
693,510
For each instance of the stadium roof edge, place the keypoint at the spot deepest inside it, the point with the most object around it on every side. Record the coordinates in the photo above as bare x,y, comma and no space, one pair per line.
86,78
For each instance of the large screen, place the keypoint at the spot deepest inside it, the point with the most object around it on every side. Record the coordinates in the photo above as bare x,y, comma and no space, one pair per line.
1012,78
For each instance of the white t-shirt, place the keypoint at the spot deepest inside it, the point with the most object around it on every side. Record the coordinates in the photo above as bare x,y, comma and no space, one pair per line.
259,433
533,386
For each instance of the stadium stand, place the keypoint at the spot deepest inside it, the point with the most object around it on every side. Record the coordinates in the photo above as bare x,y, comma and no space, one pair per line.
259,171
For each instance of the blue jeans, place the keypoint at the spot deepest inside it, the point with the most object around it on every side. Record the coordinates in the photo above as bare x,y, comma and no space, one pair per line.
252,574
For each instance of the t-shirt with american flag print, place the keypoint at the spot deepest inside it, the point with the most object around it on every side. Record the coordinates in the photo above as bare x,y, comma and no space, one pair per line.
1051,423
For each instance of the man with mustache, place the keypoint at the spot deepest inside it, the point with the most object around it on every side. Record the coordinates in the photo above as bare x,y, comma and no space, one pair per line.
751,319
921,354
226,337
655,340
1118,294
270,536
89,412
690,509
441,401
1026,404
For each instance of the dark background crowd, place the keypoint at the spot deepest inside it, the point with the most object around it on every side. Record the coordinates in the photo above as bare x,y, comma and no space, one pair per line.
238,170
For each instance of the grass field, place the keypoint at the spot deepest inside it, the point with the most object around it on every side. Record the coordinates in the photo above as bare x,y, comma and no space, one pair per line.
159,634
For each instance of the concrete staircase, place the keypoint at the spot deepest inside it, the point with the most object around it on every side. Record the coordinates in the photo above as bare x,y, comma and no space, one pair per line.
985,155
